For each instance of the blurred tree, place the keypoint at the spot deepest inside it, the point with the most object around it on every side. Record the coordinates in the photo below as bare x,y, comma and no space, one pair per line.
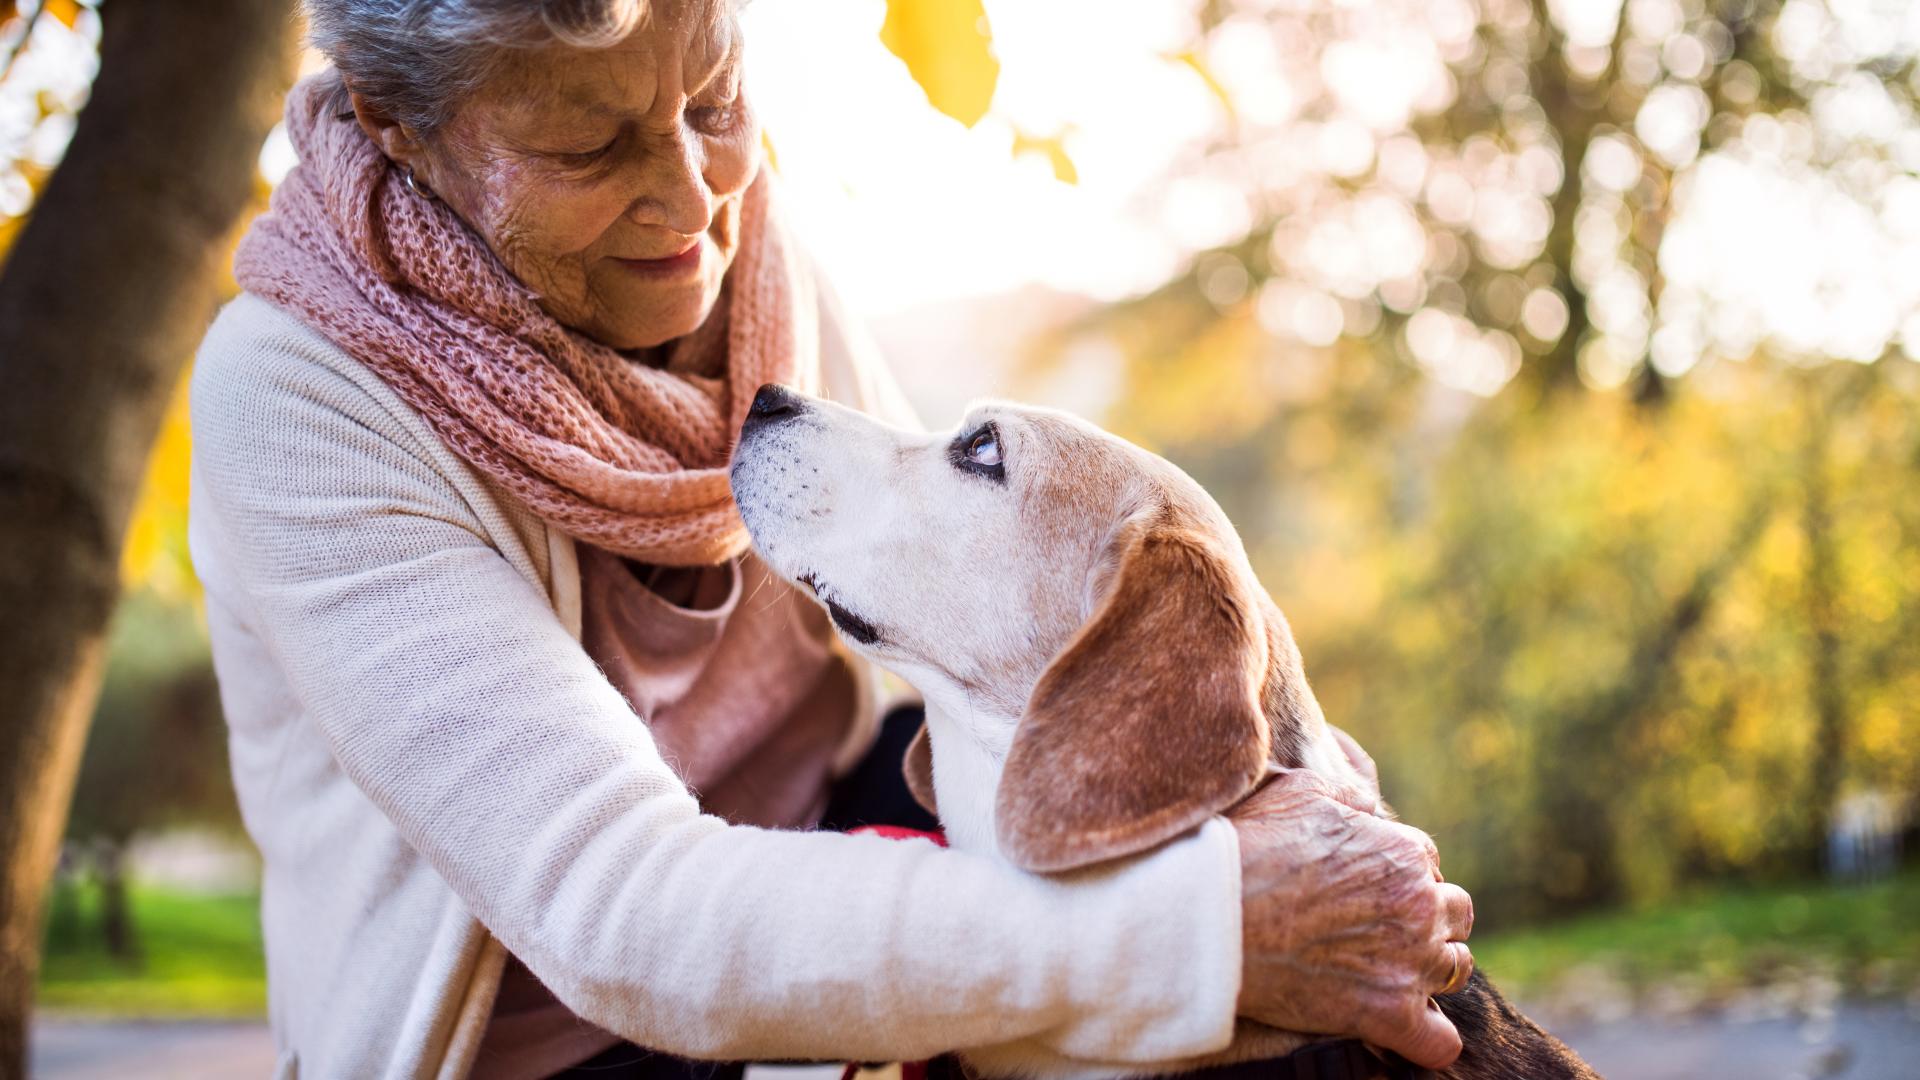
156,750
104,292
1544,448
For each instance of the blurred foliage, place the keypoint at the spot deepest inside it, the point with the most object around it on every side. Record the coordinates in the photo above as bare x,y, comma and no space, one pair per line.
1800,945
1616,578
155,556
156,754
200,956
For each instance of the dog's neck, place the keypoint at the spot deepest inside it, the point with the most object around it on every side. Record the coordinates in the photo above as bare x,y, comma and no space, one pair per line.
969,751
969,741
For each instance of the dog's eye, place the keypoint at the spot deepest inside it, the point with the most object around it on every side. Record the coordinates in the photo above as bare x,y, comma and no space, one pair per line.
985,448
980,453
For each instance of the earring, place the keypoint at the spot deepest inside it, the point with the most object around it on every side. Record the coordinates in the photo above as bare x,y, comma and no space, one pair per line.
418,188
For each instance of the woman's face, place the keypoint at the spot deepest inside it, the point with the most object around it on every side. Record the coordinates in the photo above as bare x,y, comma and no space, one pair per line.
609,181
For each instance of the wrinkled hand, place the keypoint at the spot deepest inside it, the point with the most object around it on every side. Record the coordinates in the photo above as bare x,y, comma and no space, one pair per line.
1362,763
1347,927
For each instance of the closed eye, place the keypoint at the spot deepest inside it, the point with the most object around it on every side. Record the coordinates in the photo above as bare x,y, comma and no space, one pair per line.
980,452
589,156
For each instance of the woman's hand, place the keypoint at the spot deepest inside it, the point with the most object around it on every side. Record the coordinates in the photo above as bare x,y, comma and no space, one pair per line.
1347,926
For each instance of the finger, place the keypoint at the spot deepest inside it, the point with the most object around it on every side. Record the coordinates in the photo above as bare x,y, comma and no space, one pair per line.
1456,910
1358,757
1450,968
1284,781
1362,797
1421,843
1358,797
1286,787
1429,1040
1466,967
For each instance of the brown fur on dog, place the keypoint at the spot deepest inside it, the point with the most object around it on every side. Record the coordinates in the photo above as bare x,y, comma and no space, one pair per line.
1150,721
1498,1043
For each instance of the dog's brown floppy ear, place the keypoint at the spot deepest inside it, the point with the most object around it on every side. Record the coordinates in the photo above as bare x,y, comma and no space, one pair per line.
1150,720
918,769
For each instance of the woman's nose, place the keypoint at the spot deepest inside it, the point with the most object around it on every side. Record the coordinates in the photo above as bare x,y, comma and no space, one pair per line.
672,191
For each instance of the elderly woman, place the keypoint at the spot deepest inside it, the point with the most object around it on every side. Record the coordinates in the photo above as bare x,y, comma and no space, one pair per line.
529,742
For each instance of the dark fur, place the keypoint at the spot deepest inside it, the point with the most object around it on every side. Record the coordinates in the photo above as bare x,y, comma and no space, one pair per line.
1500,1044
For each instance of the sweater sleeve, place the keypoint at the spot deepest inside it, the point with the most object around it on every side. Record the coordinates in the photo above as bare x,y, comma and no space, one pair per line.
453,697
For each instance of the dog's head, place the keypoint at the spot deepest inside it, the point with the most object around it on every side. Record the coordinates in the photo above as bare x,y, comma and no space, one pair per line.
1045,571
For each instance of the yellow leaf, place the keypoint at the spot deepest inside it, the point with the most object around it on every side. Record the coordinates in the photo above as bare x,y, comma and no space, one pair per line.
64,10
948,49
766,147
1193,60
155,555
1053,148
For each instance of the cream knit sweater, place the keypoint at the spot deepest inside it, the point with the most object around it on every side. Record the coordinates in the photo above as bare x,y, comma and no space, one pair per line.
436,773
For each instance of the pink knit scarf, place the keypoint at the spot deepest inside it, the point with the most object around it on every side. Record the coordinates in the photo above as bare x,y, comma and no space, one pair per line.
615,452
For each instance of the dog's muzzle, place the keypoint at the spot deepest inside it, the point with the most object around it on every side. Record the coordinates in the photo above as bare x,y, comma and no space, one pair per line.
773,404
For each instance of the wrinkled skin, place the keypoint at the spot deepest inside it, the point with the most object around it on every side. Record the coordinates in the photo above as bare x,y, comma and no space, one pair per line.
1348,927
573,161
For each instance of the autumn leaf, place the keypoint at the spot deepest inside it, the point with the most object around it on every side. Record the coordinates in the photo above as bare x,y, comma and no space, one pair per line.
154,554
948,49
1053,148
64,10
1194,62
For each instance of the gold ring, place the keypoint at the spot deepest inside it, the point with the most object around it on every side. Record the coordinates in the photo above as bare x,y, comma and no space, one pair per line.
1456,978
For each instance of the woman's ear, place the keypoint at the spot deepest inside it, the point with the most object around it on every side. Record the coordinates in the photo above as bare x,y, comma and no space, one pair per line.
1150,720
395,139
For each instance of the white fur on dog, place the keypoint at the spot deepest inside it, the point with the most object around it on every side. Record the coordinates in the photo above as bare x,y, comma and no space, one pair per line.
974,585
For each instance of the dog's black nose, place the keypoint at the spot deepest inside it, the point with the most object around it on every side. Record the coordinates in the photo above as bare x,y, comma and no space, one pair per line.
775,403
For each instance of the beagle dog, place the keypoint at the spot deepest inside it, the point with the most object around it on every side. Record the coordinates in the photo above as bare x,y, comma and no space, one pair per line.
1101,668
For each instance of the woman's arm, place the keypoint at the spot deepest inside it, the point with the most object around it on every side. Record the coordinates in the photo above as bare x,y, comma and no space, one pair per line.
453,697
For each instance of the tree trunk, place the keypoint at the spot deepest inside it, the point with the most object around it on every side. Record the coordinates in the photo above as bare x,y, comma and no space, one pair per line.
107,290
1574,117
1594,742
116,916
1825,684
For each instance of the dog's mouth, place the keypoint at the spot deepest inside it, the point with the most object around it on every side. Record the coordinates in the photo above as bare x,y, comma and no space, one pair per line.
850,624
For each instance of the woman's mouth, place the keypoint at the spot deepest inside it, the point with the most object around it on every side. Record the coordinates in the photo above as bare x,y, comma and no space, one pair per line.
672,266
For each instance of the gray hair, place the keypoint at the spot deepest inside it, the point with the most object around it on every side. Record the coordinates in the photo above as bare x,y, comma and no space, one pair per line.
415,60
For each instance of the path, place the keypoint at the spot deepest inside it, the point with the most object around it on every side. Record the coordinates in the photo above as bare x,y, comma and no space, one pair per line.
1862,1041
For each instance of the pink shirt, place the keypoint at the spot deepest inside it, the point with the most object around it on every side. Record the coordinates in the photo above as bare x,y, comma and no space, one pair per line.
748,696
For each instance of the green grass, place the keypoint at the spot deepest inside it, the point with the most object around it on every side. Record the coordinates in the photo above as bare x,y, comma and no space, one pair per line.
198,956
1864,938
